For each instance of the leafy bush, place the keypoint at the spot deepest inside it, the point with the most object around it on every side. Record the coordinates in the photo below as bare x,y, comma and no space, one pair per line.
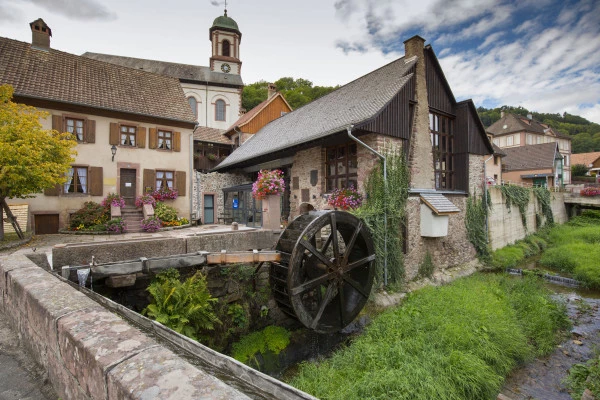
582,376
507,257
427,267
113,199
165,213
452,342
270,341
116,225
151,224
184,307
90,215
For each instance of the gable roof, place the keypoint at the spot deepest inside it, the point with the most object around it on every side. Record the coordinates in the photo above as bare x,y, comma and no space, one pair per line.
247,117
212,135
586,159
511,123
537,156
183,72
66,78
353,103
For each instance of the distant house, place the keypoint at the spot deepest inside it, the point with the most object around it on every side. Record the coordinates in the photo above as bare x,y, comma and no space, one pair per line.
590,160
143,117
536,165
494,167
513,130
273,107
211,146
328,144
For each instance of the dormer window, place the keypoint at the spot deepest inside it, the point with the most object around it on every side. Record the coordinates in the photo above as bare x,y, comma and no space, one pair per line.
226,48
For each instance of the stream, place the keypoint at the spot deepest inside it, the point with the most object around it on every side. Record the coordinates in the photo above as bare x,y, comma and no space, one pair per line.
542,378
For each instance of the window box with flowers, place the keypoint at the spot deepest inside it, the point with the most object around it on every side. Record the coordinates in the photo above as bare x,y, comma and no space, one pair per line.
165,194
345,199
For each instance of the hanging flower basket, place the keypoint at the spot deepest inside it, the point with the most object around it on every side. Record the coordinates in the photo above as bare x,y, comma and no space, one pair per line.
268,183
345,199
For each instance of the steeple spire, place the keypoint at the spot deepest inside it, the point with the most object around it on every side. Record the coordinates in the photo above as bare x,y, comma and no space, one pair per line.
225,7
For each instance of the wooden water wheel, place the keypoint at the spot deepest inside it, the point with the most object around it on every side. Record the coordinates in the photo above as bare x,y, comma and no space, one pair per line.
326,270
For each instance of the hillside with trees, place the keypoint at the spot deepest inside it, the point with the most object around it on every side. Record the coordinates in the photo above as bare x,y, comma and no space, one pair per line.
585,134
297,92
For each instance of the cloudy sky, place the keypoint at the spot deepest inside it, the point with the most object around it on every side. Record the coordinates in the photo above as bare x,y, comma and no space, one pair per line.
541,54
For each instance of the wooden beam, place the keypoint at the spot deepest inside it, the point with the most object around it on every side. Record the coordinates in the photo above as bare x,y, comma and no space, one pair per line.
242,257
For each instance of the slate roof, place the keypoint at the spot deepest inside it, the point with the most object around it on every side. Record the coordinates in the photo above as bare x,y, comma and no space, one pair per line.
518,123
254,112
439,203
586,159
180,71
537,156
68,78
212,135
358,101
498,151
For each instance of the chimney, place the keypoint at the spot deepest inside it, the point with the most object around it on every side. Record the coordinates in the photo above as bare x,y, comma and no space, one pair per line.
420,157
40,35
272,90
529,117
501,113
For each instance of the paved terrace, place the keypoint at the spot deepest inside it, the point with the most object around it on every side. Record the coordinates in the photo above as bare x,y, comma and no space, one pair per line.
89,352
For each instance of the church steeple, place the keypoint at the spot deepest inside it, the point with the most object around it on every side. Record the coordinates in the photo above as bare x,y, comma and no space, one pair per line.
226,38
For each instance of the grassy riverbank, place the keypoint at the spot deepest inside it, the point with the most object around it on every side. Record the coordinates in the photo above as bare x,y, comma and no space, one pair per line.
575,249
453,342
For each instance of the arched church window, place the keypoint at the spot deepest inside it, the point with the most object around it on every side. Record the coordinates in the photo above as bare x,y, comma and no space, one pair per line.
193,105
226,47
220,110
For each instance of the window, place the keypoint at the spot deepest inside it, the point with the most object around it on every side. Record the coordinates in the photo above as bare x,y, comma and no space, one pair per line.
442,140
566,160
220,110
193,105
341,167
165,140
75,127
497,142
496,160
226,47
509,140
529,139
539,139
128,134
164,179
76,180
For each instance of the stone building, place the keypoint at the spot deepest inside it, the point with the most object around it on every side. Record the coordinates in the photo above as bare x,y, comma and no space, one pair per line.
128,141
406,104
513,130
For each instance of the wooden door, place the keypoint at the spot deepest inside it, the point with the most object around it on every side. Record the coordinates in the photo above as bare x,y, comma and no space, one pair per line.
45,224
128,189
209,209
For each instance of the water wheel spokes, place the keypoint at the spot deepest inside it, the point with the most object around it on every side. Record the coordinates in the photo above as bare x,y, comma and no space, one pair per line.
326,272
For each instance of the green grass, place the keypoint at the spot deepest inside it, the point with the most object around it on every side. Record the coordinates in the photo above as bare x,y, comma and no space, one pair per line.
575,249
584,376
512,255
452,342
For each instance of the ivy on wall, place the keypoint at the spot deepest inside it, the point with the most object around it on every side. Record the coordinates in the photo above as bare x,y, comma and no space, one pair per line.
543,197
475,222
519,197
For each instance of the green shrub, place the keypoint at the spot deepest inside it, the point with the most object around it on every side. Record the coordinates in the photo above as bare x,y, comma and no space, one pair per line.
452,342
584,376
475,222
164,212
537,241
184,307
507,257
427,267
268,343
91,214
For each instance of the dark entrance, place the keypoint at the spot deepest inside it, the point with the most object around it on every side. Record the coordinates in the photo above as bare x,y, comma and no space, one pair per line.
45,224
128,188
209,209
242,207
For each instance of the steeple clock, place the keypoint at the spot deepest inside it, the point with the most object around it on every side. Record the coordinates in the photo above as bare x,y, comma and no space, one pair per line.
226,38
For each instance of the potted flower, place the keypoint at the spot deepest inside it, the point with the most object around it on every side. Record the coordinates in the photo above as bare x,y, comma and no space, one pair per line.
348,198
268,183
115,203
145,199
165,194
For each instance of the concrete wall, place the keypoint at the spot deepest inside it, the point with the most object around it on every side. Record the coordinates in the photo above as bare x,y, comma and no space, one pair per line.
505,226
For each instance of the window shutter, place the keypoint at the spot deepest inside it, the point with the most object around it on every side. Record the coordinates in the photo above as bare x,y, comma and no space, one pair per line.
57,123
149,180
152,138
96,181
90,131
114,134
141,137
176,141
180,182
52,191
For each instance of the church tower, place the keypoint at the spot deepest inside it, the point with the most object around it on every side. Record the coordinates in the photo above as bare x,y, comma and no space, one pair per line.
226,38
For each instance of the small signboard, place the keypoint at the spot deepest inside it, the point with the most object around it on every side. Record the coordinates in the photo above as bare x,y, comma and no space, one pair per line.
235,204
127,184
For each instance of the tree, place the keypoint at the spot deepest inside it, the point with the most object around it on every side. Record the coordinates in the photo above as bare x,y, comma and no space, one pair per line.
31,158
579,170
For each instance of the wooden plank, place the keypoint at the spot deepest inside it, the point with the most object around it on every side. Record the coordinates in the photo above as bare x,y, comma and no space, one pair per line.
242,257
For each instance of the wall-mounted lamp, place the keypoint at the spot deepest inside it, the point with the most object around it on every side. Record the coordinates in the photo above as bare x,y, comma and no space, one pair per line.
113,150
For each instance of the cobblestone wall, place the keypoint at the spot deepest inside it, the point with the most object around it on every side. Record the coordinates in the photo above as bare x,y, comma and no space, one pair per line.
214,183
